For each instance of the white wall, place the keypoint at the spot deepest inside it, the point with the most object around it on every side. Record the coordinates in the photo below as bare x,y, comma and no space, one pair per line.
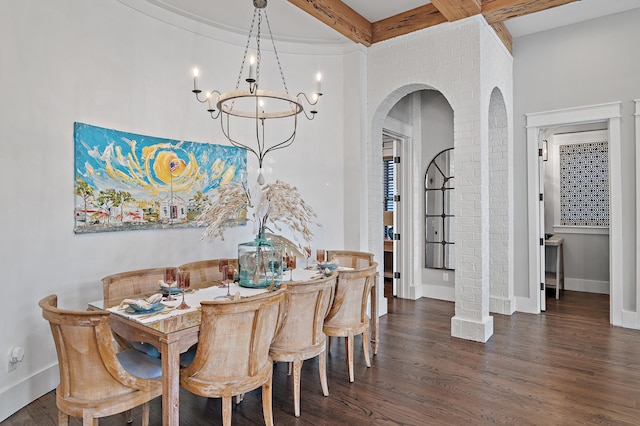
104,63
589,63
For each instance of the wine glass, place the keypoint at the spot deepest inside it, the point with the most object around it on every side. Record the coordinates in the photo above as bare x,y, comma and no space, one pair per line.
170,276
320,254
307,255
227,277
184,281
230,272
291,264
221,267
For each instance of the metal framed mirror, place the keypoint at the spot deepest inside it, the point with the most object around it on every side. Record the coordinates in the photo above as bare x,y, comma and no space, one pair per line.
439,187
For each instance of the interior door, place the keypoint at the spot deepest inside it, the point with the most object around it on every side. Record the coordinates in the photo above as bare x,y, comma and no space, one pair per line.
542,154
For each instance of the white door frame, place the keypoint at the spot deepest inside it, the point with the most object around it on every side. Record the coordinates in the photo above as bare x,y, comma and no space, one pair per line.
402,219
536,122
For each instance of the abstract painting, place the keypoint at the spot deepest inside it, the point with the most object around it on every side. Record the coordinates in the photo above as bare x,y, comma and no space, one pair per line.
126,181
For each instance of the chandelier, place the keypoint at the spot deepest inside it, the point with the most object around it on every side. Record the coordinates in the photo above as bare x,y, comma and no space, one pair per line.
253,105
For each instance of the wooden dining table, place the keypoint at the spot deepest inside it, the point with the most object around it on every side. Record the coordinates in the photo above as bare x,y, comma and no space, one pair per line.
174,331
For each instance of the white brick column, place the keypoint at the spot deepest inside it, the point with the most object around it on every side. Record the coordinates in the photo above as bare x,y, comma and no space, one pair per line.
464,60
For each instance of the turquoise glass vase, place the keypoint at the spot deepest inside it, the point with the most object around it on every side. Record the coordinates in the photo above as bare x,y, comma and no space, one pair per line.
260,263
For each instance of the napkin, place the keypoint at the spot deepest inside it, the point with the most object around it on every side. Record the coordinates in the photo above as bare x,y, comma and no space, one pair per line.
142,303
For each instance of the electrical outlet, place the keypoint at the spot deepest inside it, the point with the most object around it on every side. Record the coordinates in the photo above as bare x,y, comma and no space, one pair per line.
16,356
445,276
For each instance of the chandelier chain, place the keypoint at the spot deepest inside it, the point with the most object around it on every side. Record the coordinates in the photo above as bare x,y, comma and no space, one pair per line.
284,83
246,48
258,54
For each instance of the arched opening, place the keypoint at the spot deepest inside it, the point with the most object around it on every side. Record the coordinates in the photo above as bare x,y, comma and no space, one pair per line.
501,289
421,119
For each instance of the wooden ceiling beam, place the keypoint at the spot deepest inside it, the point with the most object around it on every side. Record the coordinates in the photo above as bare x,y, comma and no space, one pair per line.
504,35
406,22
495,11
355,27
340,17
459,9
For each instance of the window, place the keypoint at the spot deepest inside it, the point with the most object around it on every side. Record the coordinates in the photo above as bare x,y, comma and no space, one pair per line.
388,184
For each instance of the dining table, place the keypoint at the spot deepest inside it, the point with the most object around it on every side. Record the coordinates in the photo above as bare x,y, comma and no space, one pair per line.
173,331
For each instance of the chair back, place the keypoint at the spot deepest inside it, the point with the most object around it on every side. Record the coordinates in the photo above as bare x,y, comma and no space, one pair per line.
308,303
129,284
91,376
349,308
351,259
205,271
232,356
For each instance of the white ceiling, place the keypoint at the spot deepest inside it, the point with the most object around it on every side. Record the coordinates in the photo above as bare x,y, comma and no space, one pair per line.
288,22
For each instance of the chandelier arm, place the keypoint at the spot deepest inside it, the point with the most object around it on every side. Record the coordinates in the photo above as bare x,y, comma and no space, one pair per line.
309,101
313,114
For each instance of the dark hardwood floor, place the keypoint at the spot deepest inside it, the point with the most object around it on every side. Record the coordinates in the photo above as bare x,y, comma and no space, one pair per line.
567,366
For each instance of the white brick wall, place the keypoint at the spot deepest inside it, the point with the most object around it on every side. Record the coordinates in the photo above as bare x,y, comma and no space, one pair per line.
465,61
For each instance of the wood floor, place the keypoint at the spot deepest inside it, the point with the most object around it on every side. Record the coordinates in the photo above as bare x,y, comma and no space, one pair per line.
565,367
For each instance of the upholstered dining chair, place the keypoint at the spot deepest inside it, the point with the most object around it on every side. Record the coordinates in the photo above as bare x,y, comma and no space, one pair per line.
130,284
302,337
232,356
350,258
205,271
94,380
124,285
348,314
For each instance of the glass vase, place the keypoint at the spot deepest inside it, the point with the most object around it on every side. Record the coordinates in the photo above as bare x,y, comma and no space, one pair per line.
260,263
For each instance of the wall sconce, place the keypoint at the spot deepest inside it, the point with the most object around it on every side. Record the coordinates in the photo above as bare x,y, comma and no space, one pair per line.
545,150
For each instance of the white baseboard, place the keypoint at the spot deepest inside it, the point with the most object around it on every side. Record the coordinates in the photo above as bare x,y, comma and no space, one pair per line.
438,292
15,397
587,286
527,304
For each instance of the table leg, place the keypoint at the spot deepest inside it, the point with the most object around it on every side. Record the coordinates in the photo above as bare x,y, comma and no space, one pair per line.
374,316
170,383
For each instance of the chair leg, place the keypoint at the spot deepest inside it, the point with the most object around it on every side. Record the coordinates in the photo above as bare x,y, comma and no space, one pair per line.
329,343
239,398
63,419
129,416
289,368
145,414
297,366
226,410
365,346
322,364
88,419
266,403
349,344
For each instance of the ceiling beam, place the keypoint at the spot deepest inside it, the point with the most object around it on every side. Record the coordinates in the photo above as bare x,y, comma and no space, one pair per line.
340,17
500,10
406,22
504,35
358,29
460,9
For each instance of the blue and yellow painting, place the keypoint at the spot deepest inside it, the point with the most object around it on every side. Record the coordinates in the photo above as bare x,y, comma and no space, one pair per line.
126,181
